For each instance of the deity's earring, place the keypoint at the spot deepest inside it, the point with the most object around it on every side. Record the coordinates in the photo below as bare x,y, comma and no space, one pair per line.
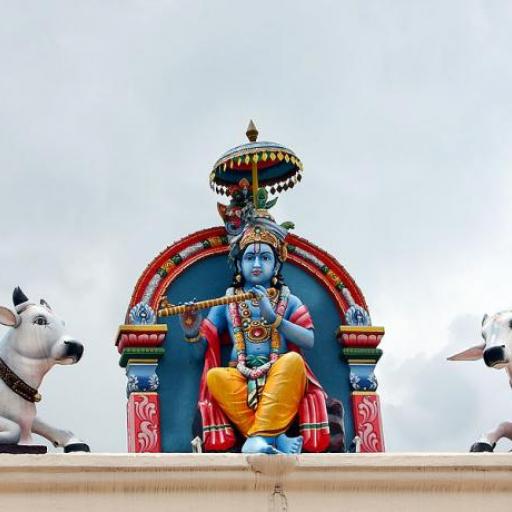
274,280
238,278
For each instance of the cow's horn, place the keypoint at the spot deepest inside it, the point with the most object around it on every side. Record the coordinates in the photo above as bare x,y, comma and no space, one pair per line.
18,297
44,303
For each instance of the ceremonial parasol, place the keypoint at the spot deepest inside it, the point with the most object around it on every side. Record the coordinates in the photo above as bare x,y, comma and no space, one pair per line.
263,164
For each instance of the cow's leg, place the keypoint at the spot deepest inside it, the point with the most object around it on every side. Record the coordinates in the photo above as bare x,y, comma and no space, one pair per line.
504,430
60,438
10,432
488,441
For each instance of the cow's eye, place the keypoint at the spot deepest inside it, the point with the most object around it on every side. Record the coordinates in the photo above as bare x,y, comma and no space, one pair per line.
40,320
510,324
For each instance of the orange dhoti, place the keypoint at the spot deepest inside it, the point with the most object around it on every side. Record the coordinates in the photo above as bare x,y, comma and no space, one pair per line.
279,401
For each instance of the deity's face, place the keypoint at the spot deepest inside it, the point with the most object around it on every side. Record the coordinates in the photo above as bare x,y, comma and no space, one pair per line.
258,264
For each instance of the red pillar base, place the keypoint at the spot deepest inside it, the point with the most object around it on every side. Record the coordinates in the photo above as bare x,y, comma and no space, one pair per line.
144,423
367,421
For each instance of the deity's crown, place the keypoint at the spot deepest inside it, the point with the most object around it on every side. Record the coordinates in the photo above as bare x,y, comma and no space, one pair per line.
258,234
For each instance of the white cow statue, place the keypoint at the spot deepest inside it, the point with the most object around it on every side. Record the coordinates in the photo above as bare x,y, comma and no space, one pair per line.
35,342
496,351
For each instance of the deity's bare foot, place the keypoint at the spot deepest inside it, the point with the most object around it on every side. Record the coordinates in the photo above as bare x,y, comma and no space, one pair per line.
259,444
287,444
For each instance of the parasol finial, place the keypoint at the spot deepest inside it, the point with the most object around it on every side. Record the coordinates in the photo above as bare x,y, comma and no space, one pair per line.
252,132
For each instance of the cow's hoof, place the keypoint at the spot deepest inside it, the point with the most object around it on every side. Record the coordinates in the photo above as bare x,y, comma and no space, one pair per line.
76,447
482,447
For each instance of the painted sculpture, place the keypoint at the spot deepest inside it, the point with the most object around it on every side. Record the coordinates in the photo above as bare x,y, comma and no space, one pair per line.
261,390
261,370
35,342
496,352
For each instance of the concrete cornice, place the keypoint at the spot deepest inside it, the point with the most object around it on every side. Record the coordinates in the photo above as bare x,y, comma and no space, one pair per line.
164,479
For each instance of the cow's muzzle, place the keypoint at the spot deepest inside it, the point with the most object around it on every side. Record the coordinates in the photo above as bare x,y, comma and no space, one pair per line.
495,357
74,349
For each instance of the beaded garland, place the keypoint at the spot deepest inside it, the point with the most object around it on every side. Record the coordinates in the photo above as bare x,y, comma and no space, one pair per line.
239,336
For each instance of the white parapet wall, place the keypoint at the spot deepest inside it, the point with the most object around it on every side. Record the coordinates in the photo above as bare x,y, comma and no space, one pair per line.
233,482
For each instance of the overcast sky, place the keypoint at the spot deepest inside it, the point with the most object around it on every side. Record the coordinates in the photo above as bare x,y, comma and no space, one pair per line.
113,112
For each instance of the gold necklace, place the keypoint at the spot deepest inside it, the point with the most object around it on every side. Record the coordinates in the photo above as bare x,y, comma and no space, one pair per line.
257,331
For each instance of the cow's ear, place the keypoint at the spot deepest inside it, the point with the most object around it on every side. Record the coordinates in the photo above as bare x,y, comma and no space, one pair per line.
8,317
470,354
484,319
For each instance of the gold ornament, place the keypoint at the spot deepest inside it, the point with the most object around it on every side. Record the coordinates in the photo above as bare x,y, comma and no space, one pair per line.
257,331
260,235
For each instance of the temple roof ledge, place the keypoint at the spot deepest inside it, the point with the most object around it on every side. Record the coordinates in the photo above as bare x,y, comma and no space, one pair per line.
84,482
138,461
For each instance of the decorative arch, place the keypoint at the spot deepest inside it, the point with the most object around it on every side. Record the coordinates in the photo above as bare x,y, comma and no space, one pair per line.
178,257
143,346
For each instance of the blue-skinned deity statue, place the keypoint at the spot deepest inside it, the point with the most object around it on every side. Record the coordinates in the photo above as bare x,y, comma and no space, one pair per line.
262,388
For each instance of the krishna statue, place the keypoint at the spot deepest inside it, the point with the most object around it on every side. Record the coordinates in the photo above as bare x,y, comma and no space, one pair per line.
262,388
250,376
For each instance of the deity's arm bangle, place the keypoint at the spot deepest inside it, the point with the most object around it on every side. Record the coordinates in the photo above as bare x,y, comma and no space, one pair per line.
277,321
193,339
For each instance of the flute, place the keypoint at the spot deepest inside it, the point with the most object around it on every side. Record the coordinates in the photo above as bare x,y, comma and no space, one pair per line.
171,310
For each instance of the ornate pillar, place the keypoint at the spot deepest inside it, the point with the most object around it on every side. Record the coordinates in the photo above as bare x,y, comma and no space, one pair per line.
141,348
359,349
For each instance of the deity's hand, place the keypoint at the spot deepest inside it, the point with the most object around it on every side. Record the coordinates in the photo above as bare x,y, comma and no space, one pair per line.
266,310
191,320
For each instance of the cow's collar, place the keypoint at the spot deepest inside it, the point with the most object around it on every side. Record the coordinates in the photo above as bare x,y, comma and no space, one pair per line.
17,384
